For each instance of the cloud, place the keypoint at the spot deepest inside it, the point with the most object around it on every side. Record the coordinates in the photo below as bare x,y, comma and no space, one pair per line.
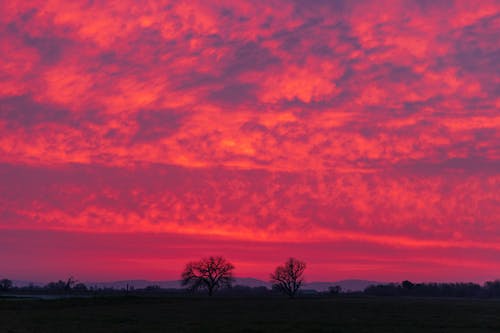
156,124
253,204
23,111
270,119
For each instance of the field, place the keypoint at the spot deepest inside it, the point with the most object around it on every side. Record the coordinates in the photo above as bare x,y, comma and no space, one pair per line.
169,314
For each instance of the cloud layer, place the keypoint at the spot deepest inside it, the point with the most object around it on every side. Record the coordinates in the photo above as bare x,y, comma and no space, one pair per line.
325,122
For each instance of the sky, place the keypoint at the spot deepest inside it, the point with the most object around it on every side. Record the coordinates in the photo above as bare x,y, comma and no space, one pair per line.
362,137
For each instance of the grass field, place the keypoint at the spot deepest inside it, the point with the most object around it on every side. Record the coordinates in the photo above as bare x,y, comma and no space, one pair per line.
168,314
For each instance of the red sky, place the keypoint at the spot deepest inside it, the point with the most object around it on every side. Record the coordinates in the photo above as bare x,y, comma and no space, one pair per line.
362,137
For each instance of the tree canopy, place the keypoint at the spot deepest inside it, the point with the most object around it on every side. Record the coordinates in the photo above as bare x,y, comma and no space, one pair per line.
210,273
288,278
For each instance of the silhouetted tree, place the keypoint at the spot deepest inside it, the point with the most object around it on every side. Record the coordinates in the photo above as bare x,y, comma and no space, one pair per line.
288,278
407,284
492,288
5,284
70,282
62,285
210,273
334,290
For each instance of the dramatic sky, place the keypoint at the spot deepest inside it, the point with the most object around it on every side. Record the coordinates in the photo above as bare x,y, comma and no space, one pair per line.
361,137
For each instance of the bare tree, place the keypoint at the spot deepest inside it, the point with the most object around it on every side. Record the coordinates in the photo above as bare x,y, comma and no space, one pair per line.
70,282
62,285
288,278
210,273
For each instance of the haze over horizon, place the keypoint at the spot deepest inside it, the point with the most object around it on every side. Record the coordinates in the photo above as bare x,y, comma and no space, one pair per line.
362,137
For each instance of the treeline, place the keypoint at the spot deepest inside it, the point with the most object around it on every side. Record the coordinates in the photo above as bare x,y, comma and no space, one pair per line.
407,288
490,289
210,274
215,274
61,288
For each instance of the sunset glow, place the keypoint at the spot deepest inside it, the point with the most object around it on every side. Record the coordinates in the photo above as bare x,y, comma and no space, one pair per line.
361,137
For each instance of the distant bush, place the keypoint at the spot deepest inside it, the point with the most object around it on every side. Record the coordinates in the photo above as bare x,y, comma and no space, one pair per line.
152,288
492,288
334,290
80,287
59,285
5,284
239,290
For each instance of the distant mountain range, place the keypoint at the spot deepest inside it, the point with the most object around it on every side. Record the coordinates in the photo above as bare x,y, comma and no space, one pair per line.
346,285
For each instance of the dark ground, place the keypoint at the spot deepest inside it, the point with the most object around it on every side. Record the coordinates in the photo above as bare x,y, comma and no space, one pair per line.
169,314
